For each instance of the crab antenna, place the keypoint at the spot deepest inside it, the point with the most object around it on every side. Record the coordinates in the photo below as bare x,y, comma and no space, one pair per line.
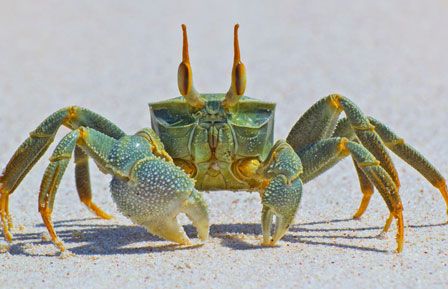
185,76
238,85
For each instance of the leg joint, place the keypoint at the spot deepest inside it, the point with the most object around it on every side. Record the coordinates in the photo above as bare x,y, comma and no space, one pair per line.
398,209
394,142
35,134
369,164
369,127
335,101
44,210
342,146
83,134
57,158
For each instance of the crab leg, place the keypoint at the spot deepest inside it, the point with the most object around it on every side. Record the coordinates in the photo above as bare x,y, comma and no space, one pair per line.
412,157
315,161
319,122
405,151
35,146
343,129
96,143
83,187
150,190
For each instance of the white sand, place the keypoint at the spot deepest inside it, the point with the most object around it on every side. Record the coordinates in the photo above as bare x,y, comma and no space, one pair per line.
390,57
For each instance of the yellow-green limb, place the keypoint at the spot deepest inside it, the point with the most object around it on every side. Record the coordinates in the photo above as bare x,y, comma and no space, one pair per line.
95,143
316,157
30,151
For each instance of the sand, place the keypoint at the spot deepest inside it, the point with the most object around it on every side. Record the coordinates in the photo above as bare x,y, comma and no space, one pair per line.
114,57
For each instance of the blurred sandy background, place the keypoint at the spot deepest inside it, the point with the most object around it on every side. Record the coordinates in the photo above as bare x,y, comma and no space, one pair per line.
114,57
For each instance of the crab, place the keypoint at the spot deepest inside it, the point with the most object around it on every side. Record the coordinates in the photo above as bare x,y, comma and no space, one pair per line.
205,142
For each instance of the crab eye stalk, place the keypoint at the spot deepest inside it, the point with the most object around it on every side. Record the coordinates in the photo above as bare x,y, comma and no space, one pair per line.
238,85
185,76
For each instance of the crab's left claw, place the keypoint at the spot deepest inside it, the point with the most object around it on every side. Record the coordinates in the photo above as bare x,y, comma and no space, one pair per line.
281,200
283,191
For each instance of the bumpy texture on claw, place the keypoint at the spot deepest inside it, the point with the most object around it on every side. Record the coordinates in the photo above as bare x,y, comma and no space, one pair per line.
155,194
281,197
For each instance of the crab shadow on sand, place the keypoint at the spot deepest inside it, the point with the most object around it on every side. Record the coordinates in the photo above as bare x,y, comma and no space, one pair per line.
99,239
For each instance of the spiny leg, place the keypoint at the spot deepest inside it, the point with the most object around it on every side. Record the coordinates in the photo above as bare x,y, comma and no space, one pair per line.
24,158
412,157
366,189
83,187
315,160
95,142
319,122
405,151
5,217
35,146
344,129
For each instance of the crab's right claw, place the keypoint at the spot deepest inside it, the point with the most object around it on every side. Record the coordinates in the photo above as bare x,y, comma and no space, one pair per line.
168,228
281,200
157,193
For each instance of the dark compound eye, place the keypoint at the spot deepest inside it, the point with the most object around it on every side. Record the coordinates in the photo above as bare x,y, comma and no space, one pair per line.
184,78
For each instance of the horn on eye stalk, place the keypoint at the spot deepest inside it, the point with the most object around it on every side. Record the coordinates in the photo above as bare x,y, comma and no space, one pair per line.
185,76
238,85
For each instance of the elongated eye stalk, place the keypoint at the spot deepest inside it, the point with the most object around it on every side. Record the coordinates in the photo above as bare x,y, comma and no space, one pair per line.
238,85
185,76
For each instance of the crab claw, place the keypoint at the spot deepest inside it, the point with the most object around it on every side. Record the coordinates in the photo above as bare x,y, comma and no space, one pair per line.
281,200
168,228
157,192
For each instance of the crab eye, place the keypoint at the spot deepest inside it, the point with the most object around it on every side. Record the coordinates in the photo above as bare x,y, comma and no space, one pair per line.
240,78
185,76
238,85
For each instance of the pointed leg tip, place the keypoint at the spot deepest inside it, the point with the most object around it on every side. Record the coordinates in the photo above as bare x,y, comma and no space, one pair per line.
186,243
102,214
358,214
106,216
204,237
8,236
10,222
4,247
60,245
267,244
98,211
66,254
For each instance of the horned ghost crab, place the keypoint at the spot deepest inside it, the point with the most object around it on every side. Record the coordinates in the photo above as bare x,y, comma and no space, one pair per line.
213,142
